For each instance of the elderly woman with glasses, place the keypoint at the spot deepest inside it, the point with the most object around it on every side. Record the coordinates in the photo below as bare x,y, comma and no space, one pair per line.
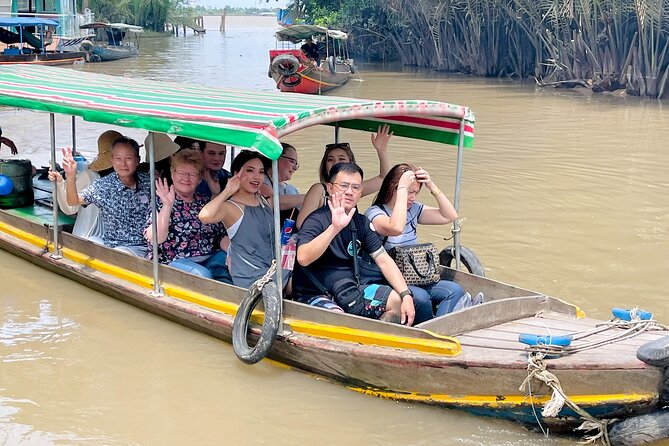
184,241
342,153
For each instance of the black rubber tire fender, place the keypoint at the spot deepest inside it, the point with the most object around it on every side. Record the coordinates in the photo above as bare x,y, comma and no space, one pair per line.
271,298
285,64
641,429
286,80
86,46
95,58
467,257
331,65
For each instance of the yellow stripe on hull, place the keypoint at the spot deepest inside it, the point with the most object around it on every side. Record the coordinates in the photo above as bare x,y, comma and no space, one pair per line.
507,401
445,345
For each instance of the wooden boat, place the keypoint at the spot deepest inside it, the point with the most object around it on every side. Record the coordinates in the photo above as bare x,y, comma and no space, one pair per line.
110,41
470,360
294,72
24,47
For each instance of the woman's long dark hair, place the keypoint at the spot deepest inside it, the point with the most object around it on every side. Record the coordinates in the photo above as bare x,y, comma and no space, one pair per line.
390,182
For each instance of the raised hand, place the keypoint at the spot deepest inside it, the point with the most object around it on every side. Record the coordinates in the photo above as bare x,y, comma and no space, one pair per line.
55,176
381,138
340,218
165,192
233,185
69,164
406,179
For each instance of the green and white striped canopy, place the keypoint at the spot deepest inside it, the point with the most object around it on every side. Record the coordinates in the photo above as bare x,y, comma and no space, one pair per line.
250,119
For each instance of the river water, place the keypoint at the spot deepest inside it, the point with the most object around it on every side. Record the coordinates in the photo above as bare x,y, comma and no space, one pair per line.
564,192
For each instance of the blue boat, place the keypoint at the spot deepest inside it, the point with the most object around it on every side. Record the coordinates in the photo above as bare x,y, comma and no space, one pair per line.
110,42
27,40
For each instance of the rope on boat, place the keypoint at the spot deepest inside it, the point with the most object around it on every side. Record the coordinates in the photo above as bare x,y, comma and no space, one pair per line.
536,369
257,286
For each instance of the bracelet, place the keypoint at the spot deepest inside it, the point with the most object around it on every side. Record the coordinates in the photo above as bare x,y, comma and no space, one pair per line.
401,187
436,193
405,293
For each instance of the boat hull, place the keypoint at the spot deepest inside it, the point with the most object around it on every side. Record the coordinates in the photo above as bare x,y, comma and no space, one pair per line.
368,356
108,53
48,58
313,80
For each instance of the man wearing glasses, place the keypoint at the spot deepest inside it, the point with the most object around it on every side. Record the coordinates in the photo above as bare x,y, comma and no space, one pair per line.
326,250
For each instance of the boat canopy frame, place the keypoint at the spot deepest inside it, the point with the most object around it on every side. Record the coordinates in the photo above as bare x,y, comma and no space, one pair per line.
243,119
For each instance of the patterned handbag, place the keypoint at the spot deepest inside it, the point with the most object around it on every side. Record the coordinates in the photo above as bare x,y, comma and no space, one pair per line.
419,264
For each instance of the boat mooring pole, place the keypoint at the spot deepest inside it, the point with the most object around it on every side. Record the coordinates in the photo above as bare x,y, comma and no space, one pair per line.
336,132
456,194
277,224
54,190
157,289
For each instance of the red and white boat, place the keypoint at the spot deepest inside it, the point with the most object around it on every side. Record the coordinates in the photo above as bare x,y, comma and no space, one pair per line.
293,71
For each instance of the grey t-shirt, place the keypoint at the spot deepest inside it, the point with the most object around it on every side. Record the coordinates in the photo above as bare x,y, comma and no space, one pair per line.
409,236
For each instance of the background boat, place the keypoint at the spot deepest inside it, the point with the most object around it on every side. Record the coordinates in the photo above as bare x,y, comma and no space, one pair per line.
293,71
27,39
110,42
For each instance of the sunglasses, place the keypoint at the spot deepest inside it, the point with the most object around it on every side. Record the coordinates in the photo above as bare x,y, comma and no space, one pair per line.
338,145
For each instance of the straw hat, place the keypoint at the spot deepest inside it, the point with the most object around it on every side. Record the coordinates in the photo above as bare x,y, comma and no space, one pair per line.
103,160
163,146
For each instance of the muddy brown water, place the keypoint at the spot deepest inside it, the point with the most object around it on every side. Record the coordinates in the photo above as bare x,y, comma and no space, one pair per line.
565,193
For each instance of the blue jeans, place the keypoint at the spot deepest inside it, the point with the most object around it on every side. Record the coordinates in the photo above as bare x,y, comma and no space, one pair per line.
211,267
443,295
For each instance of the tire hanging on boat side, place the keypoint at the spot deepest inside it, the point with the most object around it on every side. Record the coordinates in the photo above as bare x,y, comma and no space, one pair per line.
270,328
467,257
641,429
291,81
285,64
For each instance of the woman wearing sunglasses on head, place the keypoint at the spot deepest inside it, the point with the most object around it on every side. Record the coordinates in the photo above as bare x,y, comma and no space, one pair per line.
342,153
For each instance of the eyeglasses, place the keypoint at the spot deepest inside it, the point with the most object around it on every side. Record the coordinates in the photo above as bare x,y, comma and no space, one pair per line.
338,145
180,174
293,161
345,186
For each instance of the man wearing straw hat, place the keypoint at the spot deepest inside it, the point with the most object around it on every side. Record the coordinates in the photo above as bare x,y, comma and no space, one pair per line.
123,196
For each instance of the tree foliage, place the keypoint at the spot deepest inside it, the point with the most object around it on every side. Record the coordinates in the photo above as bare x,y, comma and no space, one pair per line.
605,43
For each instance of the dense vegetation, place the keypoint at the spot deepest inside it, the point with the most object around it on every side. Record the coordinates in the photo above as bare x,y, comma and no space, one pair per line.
151,14
606,44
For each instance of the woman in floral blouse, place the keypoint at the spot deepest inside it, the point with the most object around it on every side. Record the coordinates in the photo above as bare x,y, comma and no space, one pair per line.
184,242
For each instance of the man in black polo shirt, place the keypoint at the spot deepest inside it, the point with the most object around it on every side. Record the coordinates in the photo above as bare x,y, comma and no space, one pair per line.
325,250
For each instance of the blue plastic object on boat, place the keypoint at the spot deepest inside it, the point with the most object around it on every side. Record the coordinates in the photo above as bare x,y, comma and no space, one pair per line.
626,315
6,185
532,339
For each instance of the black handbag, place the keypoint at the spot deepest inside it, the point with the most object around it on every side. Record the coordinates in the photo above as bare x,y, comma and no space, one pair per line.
345,292
419,264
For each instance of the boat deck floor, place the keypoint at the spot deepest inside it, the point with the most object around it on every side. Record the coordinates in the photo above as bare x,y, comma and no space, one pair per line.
500,342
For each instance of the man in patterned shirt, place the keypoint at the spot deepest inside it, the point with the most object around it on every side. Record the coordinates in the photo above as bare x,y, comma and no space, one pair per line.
123,197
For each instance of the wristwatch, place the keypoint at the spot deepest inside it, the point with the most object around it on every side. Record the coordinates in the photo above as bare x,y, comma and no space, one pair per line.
405,293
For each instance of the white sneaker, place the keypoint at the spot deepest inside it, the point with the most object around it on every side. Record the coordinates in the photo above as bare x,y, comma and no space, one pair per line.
464,302
478,299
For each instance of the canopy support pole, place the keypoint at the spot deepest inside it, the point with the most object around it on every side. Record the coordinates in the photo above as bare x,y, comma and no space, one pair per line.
456,195
54,190
157,289
74,135
336,126
277,224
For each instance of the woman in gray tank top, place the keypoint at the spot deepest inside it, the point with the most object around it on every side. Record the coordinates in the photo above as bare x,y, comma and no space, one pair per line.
248,218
